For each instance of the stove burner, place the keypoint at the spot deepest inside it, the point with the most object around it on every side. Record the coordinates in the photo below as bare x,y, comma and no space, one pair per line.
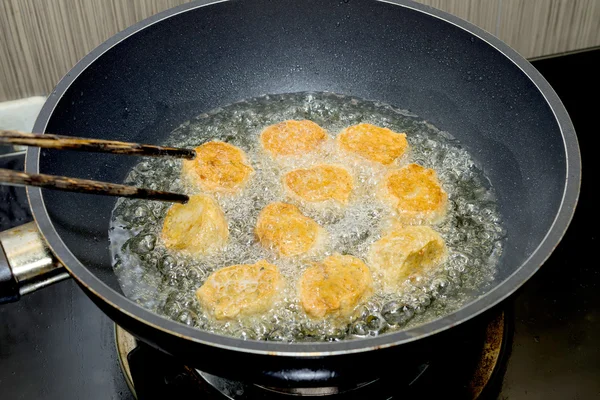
235,390
428,379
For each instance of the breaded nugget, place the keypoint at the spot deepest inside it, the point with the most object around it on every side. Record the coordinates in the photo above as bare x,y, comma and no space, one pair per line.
320,183
218,167
376,144
292,138
406,252
197,227
416,194
241,290
283,228
335,286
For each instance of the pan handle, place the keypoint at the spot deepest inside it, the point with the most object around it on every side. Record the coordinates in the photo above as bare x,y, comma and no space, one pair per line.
26,263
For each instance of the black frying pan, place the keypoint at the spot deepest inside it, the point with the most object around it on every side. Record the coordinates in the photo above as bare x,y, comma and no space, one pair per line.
145,81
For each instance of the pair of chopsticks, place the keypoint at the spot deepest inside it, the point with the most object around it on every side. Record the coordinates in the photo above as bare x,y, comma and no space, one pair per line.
11,177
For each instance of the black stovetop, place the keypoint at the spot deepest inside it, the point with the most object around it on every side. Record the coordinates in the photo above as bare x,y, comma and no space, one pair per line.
55,344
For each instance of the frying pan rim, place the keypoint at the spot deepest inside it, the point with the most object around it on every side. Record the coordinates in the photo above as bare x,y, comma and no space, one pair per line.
314,349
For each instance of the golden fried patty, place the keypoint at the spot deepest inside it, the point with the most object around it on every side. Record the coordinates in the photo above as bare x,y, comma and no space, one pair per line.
197,227
283,228
218,167
241,290
406,252
372,142
416,194
320,183
334,286
292,138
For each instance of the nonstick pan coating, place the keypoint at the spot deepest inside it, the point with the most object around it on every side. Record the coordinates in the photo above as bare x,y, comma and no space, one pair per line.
152,77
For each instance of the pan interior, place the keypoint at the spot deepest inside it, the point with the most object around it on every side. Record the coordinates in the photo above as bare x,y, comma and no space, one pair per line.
150,83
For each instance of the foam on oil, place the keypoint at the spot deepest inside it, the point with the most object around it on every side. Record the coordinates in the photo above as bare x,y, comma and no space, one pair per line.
165,282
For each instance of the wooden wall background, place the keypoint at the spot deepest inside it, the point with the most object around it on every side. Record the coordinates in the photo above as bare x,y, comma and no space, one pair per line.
40,40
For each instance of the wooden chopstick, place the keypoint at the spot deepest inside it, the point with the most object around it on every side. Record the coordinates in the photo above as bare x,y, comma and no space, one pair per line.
11,177
93,145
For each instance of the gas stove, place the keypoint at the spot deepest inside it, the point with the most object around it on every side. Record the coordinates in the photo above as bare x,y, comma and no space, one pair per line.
541,343
466,365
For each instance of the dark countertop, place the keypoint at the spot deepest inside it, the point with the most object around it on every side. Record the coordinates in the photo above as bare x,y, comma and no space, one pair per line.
55,344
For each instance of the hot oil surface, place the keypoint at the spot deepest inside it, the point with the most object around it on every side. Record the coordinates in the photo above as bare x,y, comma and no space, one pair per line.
165,282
